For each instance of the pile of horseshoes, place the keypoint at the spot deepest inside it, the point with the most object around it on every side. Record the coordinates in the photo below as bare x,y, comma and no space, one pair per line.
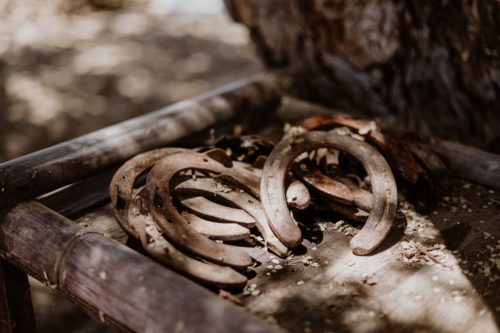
196,207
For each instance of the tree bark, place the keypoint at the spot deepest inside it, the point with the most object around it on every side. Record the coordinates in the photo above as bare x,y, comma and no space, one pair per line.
428,66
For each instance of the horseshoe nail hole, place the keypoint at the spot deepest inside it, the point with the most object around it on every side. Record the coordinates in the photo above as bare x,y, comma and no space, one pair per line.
294,199
250,201
205,160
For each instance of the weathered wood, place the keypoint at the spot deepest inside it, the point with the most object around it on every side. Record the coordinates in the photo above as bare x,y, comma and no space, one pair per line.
34,238
102,220
116,284
430,66
16,310
324,287
73,200
48,169
469,163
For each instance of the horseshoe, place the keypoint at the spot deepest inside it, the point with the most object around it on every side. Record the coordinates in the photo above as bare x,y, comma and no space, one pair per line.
206,186
362,198
126,213
175,227
297,194
398,154
383,186
214,230
124,179
326,186
341,190
213,211
155,244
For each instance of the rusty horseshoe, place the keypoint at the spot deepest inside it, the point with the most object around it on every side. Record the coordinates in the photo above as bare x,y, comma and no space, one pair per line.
133,215
383,186
397,153
215,230
155,244
124,179
241,199
174,225
216,212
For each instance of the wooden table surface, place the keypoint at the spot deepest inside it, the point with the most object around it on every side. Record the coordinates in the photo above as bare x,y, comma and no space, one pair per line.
435,273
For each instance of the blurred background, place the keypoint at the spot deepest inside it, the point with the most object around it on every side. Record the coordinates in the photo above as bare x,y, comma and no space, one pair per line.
70,67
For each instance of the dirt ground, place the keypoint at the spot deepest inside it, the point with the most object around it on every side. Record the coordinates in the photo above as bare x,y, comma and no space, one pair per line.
66,71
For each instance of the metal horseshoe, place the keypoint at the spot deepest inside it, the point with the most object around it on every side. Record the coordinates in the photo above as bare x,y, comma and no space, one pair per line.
383,186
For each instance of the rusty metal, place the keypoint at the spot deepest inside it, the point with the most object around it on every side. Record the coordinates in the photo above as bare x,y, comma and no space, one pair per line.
362,198
214,211
259,162
323,184
215,230
123,182
187,231
397,153
238,198
134,217
342,190
174,225
383,185
421,173
297,194
154,243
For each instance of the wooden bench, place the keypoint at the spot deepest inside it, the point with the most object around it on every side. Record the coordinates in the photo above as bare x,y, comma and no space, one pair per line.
57,227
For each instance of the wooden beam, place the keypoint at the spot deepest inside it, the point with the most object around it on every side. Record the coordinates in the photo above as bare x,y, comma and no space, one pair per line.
16,310
469,163
112,282
48,169
71,201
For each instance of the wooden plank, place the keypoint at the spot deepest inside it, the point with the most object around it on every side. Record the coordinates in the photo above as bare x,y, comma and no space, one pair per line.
48,169
114,283
16,310
102,220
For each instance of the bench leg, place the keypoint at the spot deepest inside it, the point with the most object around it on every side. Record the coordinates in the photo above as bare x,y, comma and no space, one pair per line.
16,310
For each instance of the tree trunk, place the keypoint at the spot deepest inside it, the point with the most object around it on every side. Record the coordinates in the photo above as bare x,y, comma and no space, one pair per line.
428,66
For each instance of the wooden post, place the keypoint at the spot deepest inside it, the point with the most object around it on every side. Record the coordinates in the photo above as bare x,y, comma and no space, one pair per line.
16,310
112,282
